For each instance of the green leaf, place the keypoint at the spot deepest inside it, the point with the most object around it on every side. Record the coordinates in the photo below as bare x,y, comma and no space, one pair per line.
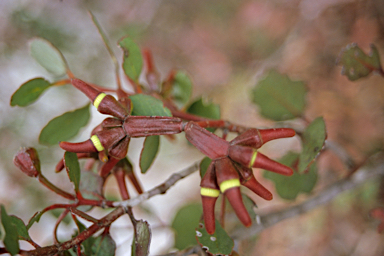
35,218
204,109
184,224
29,92
20,227
91,187
356,64
64,127
48,56
142,239
290,187
103,245
87,244
73,168
149,152
204,166
250,205
218,243
11,239
313,142
181,88
133,60
145,105
278,97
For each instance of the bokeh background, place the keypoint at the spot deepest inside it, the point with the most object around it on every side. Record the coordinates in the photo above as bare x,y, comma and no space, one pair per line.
225,46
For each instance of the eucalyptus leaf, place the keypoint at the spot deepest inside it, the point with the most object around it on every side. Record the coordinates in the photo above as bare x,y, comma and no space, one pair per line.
29,92
204,166
149,152
103,245
48,56
181,88
73,168
64,127
20,226
146,105
278,97
142,239
133,60
356,64
11,239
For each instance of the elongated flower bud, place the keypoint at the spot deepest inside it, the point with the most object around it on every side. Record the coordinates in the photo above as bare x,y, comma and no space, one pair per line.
27,160
258,189
208,143
209,194
80,147
255,138
143,126
251,158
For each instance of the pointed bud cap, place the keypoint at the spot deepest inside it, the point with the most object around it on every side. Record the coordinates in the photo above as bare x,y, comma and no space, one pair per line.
27,160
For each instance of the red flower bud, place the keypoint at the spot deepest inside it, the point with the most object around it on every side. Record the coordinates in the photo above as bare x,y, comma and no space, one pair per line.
143,126
80,147
208,143
111,122
256,138
27,160
257,188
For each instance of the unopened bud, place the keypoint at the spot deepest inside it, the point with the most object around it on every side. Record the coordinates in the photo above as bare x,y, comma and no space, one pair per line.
27,160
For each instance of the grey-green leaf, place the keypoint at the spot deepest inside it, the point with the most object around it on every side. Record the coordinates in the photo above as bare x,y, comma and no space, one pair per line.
20,226
146,105
278,97
142,239
217,244
48,56
313,142
356,64
184,224
204,109
290,187
64,127
133,60
181,88
204,166
103,245
73,168
149,152
11,239
29,92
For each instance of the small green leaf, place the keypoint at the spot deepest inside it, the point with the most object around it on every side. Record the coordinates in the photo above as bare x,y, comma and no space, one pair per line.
278,97
217,244
313,142
149,152
204,166
133,60
145,105
184,224
29,92
103,245
356,64
20,227
91,186
204,109
48,56
73,168
142,239
64,127
290,187
35,218
181,88
11,239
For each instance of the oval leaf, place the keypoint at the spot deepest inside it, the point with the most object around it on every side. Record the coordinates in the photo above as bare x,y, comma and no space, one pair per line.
204,166
356,64
73,168
181,88
290,187
11,239
204,109
103,245
218,243
29,92
64,127
20,227
133,60
48,56
145,105
313,142
142,239
149,152
278,97
184,224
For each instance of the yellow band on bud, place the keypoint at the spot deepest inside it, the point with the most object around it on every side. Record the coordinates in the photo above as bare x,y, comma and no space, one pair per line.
98,100
225,185
96,142
253,159
209,192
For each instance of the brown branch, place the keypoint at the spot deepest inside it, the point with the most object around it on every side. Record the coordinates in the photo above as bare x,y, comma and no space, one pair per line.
267,220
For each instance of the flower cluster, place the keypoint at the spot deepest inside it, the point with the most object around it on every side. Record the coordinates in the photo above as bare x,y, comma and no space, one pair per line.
231,166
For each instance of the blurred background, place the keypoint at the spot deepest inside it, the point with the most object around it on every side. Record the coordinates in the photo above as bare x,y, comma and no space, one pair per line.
225,46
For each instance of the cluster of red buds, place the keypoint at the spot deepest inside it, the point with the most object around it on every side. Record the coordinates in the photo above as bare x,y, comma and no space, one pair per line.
231,166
